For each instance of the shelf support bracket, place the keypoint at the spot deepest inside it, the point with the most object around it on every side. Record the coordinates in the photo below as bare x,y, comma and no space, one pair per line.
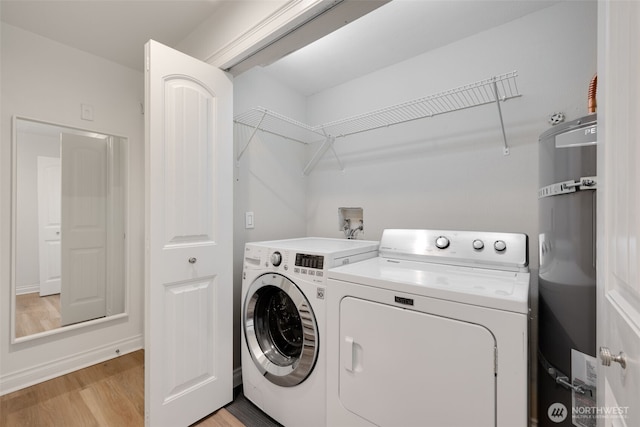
333,150
264,114
326,145
505,150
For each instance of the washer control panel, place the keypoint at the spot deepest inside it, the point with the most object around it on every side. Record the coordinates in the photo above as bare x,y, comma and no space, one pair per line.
276,258
309,265
487,249
309,261
306,265
307,258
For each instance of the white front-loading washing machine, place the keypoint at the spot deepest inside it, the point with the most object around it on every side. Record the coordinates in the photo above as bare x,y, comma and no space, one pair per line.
284,323
432,332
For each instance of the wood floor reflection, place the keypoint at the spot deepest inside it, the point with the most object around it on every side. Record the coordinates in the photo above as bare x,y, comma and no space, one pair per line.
36,314
107,394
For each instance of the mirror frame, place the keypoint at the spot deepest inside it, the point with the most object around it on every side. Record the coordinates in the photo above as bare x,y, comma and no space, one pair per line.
13,234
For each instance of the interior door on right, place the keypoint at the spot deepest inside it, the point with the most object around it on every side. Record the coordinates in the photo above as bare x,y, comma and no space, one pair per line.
618,245
406,368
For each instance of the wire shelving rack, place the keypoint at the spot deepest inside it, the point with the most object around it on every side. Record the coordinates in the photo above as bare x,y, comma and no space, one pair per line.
494,90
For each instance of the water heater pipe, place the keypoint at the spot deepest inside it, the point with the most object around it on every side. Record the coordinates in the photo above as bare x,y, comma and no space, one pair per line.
592,94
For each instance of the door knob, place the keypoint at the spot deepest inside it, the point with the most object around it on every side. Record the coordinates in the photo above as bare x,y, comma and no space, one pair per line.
192,260
606,357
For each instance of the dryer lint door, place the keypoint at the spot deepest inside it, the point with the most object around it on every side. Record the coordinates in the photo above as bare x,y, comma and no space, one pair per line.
402,367
280,330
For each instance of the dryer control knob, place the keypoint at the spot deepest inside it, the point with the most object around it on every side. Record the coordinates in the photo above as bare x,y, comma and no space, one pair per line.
276,259
500,245
478,244
442,242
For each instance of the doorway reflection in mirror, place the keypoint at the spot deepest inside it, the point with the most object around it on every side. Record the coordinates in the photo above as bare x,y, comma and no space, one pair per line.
69,226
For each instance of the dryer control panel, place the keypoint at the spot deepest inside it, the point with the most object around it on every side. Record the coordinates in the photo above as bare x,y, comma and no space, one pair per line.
502,251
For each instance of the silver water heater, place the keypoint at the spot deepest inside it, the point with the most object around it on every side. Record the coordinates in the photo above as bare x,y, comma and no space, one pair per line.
567,276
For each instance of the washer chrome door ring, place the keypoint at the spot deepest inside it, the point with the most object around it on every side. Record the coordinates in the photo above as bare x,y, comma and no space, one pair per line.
280,330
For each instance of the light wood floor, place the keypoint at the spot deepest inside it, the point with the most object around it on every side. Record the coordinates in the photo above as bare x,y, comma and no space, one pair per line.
104,395
36,314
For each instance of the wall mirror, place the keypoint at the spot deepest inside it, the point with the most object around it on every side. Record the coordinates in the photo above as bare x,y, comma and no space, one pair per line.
68,227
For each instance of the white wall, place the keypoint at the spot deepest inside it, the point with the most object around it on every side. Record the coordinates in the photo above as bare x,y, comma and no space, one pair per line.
45,80
448,172
268,177
445,172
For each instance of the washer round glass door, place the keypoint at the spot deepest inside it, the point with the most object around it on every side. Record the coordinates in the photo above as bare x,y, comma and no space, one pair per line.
280,330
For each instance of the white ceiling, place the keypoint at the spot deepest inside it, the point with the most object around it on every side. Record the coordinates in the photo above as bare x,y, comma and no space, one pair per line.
396,31
117,30
113,29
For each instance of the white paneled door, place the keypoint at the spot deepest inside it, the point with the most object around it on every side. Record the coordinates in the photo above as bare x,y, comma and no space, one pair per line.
84,228
49,224
188,271
619,214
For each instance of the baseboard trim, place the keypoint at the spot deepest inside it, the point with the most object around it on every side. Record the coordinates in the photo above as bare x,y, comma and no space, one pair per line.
27,377
27,289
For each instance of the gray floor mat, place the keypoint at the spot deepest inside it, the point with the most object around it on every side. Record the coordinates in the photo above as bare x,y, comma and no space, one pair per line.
248,413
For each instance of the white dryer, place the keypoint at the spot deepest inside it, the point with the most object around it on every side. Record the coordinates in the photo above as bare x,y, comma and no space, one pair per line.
432,332
284,324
